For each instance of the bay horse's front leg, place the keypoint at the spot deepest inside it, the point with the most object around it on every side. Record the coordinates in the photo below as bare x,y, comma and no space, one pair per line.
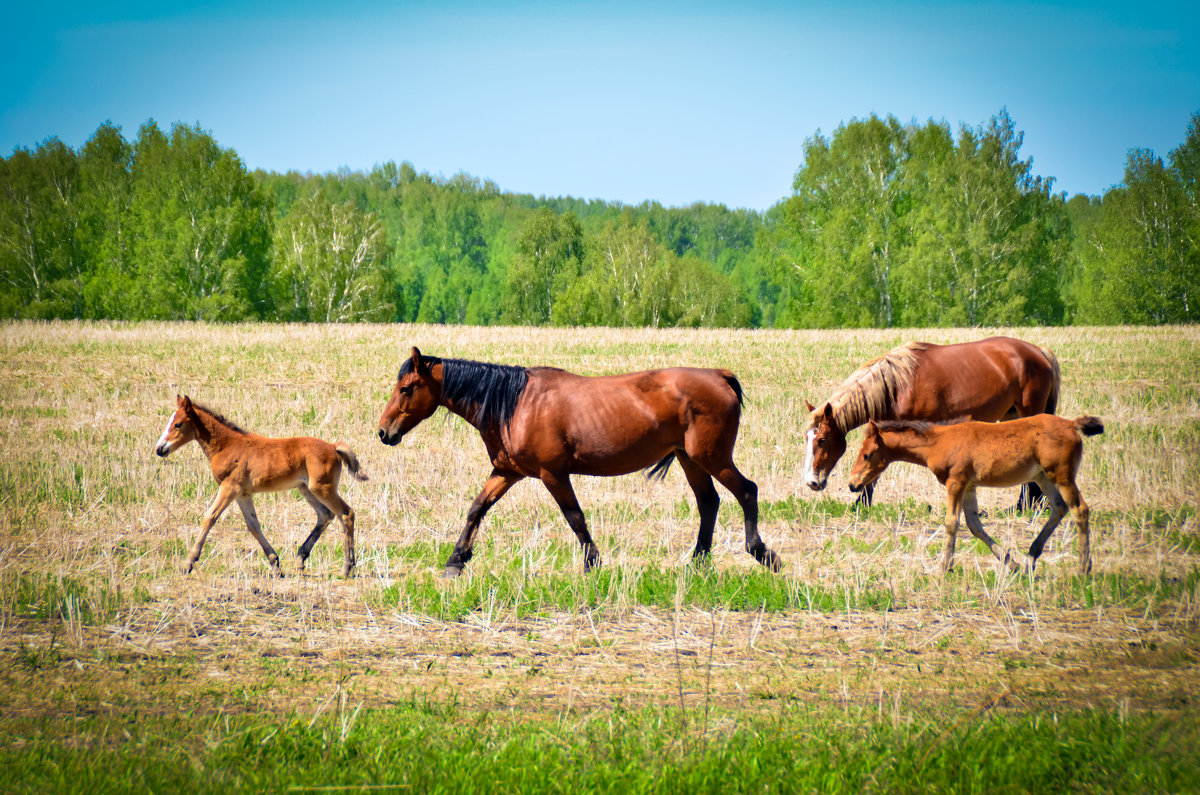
246,503
497,484
745,491
225,495
560,489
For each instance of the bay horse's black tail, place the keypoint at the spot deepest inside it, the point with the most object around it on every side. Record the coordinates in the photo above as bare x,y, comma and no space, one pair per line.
735,385
659,470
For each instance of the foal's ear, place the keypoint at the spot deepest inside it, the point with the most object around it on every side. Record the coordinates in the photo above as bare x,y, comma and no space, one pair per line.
872,428
178,400
186,405
811,407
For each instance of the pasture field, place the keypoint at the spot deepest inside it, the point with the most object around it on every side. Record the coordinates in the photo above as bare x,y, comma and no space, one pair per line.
855,668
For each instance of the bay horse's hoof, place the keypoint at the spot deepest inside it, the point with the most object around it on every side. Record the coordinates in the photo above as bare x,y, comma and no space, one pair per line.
452,572
348,572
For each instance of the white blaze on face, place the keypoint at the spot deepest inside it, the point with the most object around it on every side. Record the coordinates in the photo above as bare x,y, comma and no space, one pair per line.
162,440
810,477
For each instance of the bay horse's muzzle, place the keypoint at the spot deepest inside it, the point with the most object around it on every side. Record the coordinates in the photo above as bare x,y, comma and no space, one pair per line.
391,439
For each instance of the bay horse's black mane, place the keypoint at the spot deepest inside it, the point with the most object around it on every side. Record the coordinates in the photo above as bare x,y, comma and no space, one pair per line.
493,388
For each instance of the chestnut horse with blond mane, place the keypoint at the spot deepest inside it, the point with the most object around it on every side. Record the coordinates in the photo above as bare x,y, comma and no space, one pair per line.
963,455
245,463
546,423
998,378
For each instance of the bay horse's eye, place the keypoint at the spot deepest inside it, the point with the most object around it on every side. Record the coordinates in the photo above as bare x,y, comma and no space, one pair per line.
406,390
821,442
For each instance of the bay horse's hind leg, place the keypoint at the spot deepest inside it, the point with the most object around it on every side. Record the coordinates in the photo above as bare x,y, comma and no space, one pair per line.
746,493
707,502
324,517
497,484
560,489
970,506
246,503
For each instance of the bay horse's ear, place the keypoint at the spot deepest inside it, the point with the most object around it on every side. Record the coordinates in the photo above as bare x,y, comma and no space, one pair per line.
418,361
811,407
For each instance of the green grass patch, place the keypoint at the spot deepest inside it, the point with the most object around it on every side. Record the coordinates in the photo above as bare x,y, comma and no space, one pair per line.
426,746
618,588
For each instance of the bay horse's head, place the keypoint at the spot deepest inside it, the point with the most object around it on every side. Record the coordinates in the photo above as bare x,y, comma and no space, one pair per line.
824,444
181,428
414,398
872,459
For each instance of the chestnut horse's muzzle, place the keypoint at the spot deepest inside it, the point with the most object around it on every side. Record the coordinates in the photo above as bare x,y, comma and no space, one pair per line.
856,487
162,450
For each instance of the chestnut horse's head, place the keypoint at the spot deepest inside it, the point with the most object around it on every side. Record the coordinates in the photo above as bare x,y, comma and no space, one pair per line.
181,428
872,459
414,398
824,444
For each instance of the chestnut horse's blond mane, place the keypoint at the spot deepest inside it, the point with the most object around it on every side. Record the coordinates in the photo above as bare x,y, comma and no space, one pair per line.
870,391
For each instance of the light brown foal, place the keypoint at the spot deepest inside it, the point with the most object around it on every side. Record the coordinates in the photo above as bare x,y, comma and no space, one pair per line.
245,463
963,455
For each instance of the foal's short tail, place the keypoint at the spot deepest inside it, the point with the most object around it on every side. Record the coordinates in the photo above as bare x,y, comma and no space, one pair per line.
347,455
1088,425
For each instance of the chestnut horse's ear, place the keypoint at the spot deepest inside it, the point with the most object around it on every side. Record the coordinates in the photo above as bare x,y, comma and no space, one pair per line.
178,400
186,403
872,428
811,407
829,414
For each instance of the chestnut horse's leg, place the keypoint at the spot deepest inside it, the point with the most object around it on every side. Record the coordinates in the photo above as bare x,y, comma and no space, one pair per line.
560,489
970,506
246,503
707,502
225,495
324,517
745,491
497,484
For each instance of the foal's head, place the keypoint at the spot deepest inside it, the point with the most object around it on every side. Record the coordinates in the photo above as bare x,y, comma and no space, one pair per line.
872,459
181,428
414,398
824,445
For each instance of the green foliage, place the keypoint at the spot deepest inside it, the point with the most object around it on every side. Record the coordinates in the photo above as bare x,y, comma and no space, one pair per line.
889,225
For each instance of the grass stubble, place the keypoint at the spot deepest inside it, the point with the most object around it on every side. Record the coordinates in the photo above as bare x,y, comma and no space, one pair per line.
856,667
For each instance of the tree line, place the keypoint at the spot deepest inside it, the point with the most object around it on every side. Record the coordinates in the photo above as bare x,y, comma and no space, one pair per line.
888,225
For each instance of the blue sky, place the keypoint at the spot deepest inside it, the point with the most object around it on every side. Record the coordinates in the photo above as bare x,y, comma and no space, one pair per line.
675,102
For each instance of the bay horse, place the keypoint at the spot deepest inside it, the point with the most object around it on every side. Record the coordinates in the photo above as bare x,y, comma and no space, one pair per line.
549,424
244,464
963,455
992,379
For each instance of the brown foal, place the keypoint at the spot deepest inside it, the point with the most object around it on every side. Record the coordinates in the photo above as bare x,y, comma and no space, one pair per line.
245,463
963,455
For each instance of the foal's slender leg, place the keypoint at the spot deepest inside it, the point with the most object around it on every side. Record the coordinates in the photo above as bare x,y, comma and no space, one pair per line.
707,502
970,506
246,503
497,484
225,495
1058,509
327,494
560,489
1080,512
746,493
324,517
954,497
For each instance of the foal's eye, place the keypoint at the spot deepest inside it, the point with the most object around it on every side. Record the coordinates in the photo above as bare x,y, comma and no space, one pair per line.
820,442
178,425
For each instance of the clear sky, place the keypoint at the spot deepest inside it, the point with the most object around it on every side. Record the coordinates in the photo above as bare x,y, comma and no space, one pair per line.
675,102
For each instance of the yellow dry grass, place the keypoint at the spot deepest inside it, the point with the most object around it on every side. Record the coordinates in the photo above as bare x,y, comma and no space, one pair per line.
84,500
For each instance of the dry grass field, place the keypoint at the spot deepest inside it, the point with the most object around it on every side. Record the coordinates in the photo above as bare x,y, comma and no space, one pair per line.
103,639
